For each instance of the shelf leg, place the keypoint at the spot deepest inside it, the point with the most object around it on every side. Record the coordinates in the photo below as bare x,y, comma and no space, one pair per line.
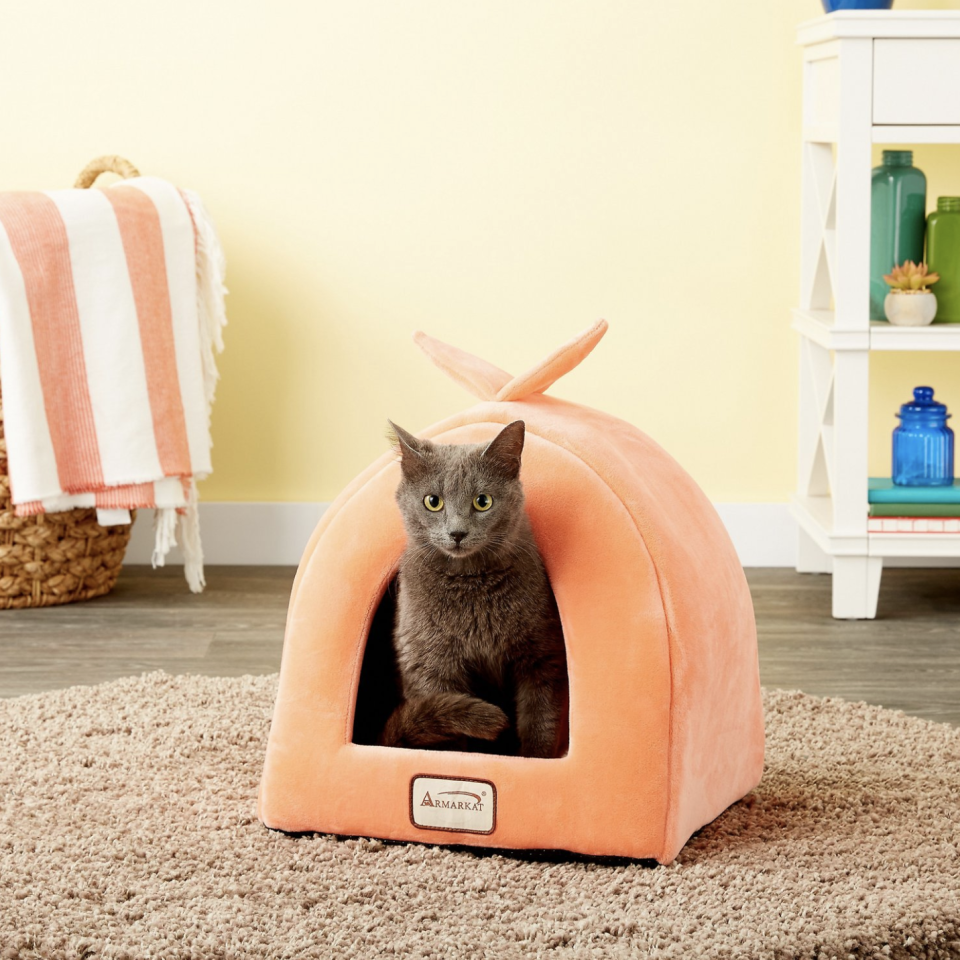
810,558
856,587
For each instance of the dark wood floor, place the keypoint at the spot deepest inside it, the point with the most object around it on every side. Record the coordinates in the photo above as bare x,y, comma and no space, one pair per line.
908,658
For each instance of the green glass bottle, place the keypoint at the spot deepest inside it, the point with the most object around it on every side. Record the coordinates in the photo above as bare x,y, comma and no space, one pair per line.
898,208
943,257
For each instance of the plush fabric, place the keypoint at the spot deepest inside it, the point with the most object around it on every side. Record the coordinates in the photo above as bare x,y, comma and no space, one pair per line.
666,727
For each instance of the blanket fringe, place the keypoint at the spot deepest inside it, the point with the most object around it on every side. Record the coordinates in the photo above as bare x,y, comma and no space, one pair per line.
189,527
165,534
211,270
173,525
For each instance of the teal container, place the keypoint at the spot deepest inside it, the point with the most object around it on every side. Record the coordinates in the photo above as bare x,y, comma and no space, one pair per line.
943,257
898,208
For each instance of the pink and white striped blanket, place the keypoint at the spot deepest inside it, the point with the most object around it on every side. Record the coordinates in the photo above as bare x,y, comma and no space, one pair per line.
111,307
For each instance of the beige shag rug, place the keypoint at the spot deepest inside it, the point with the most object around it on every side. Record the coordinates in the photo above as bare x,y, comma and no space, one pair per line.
128,829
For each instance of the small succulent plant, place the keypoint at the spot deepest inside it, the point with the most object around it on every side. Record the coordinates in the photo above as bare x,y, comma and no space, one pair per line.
910,277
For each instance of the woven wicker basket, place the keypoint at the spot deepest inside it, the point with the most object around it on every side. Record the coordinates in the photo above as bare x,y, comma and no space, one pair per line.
57,558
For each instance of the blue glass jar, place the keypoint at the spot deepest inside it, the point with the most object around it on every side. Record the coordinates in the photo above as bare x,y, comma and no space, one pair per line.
923,443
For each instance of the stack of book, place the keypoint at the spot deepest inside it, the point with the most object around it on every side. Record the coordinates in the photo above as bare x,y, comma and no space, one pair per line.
896,509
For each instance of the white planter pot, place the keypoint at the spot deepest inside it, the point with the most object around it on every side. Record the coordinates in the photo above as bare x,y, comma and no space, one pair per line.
910,309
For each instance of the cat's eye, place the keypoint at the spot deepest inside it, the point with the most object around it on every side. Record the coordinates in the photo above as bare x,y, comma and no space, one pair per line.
482,501
433,502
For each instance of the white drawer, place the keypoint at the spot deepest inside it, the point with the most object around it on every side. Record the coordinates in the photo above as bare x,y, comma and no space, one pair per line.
916,81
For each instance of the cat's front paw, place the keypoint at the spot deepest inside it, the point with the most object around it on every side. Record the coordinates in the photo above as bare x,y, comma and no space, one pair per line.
484,721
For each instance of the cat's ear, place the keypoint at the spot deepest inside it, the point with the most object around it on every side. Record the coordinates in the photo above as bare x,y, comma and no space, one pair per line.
413,451
503,453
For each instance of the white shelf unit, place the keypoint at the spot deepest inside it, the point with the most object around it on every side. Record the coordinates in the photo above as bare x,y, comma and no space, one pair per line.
862,74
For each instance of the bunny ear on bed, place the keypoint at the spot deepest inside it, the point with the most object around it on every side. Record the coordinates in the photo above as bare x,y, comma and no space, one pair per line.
544,374
488,382
482,379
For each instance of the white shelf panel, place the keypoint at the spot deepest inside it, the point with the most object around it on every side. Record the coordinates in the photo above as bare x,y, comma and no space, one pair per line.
821,133
920,24
936,336
914,545
815,515
915,133
819,326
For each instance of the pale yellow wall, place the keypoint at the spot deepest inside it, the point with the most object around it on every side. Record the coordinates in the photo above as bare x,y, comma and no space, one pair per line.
498,173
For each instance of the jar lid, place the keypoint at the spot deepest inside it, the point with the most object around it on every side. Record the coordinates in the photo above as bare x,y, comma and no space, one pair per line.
923,405
897,158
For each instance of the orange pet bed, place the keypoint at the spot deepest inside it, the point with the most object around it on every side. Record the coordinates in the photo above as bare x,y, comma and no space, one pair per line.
665,719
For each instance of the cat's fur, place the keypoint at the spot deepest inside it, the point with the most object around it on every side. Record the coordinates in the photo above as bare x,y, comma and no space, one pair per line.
477,634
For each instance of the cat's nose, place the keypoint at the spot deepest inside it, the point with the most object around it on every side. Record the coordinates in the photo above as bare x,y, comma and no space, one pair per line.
457,536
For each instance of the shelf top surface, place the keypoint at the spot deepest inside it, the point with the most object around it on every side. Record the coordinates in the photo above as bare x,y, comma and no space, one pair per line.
816,516
878,335
908,24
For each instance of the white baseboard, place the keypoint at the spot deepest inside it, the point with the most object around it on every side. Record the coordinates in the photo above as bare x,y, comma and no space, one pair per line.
275,534
239,534
765,534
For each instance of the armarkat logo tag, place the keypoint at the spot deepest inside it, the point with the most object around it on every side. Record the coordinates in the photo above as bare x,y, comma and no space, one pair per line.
466,806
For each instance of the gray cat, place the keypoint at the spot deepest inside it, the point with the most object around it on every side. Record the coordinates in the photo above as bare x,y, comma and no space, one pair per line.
477,634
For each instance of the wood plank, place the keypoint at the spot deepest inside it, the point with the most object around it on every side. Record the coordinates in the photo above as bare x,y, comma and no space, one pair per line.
906,659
